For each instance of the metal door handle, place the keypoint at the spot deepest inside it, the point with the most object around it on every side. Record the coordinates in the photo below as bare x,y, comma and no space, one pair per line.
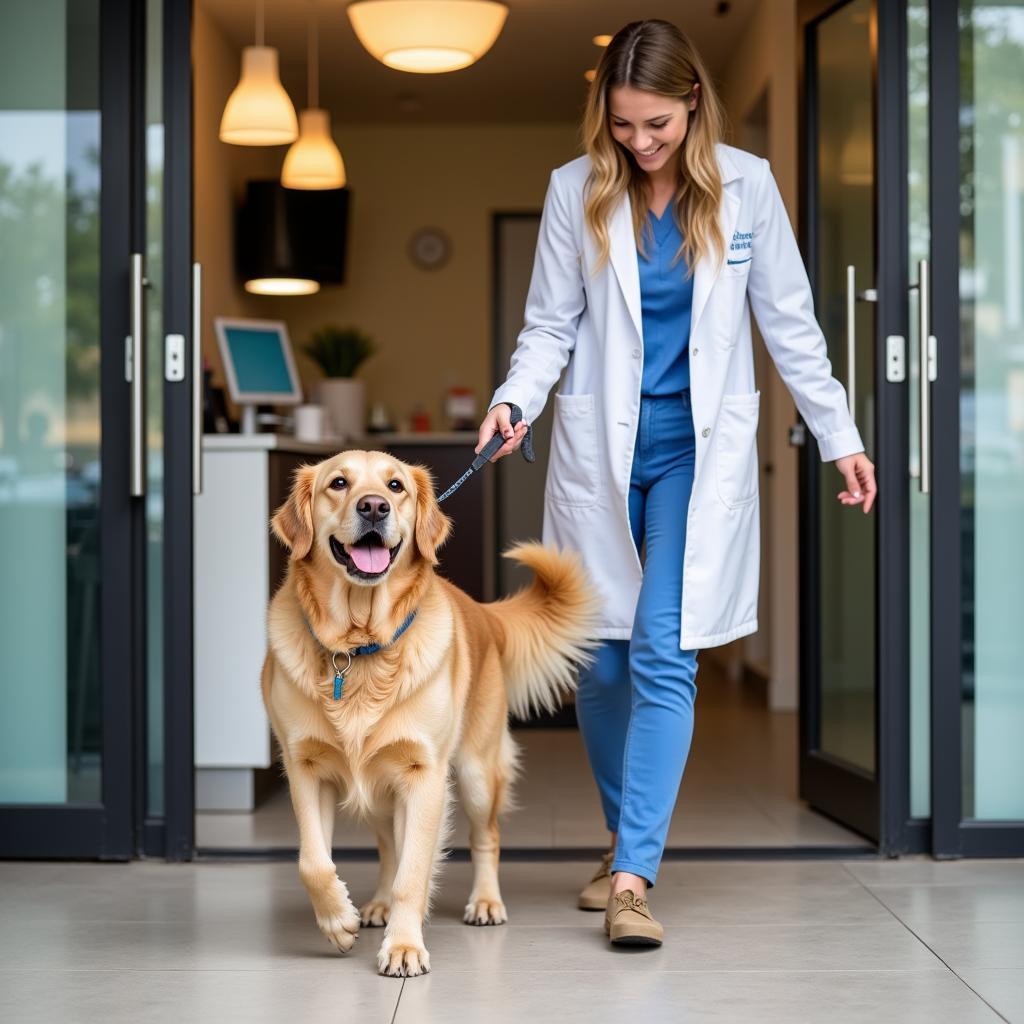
137,363
851,339
197,378
852,295
926,368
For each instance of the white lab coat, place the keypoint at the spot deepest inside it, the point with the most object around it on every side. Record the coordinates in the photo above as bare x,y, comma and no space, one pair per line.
593,322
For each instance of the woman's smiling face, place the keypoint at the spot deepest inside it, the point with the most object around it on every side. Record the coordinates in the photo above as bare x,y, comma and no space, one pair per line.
650,126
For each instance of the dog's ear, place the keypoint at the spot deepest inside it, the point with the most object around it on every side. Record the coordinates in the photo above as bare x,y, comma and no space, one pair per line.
293,522
432,525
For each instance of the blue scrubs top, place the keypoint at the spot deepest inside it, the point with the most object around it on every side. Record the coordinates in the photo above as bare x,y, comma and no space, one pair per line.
666,301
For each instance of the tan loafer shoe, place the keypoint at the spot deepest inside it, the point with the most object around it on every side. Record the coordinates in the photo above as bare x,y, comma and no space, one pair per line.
599,890
628,921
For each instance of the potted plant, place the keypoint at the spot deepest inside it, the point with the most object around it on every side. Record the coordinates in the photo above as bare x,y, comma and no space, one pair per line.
339,352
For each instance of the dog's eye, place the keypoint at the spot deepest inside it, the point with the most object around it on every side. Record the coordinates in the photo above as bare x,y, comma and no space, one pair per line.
396,486
339,483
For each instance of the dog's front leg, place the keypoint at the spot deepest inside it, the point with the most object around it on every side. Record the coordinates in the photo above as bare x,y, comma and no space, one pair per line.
337,918
419,814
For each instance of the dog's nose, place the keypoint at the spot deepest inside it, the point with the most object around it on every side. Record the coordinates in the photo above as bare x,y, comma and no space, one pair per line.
373,508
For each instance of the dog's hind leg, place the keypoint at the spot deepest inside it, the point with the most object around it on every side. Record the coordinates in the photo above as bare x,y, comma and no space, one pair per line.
482,788
375,912
336,917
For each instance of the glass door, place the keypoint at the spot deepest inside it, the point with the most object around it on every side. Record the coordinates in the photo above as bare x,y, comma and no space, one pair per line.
96,400
912,704
977,427
66,513
839,584
866,592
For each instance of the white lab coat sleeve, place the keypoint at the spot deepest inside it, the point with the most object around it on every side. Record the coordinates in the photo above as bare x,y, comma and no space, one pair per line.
781,300
554,305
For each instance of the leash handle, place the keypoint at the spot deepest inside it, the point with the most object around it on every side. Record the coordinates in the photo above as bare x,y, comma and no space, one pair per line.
493,446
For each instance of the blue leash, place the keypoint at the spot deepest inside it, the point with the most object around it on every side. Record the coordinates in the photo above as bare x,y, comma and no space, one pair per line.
491,448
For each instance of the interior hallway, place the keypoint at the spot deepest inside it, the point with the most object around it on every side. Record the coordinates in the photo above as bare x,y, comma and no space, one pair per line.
739,790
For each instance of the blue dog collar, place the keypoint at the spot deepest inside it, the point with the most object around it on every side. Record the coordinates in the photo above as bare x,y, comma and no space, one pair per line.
340,673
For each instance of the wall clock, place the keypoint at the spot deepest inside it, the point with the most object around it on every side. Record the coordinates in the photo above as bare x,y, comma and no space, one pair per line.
430,248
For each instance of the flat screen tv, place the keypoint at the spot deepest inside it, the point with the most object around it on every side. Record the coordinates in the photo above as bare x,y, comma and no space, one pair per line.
284,232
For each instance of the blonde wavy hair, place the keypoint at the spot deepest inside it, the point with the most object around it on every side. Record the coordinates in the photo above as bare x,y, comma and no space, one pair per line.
657,57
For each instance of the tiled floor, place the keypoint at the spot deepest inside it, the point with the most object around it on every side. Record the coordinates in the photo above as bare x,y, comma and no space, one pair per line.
739,789
789,941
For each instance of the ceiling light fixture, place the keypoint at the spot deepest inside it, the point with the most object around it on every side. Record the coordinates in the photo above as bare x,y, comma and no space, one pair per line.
282,286
314,161
427,36
258,112
602,40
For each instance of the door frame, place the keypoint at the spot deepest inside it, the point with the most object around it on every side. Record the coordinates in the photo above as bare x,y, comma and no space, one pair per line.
175,835
876,805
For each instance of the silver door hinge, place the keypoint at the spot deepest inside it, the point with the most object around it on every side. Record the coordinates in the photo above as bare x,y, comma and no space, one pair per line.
797,435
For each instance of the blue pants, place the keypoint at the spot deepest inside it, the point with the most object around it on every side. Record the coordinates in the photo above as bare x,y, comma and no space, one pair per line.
635,703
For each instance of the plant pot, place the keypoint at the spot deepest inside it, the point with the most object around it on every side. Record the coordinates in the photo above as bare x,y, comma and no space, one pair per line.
344,399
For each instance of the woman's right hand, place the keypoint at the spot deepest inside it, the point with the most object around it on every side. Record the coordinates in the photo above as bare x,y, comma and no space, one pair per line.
498,421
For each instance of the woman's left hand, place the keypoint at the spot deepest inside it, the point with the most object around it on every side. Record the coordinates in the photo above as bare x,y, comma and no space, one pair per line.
859,472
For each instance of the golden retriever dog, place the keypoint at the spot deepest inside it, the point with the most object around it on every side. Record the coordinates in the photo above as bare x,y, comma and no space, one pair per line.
378,731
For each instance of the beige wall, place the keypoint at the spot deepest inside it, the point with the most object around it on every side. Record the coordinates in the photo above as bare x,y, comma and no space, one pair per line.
764,65
433,327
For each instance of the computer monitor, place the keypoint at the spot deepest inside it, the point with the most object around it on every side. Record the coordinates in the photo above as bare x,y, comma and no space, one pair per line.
258,364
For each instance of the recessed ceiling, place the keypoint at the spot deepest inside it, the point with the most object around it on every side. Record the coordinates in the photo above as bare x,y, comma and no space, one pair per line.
534,72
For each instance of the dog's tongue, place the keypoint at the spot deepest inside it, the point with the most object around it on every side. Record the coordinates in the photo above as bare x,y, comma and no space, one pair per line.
370,557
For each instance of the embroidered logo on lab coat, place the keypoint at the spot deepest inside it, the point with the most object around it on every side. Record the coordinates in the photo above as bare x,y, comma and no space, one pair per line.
740,248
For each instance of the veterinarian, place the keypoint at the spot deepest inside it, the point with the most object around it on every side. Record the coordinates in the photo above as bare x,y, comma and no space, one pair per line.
651,248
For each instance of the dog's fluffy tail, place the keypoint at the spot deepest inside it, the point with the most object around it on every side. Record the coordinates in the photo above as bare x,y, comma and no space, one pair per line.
544,631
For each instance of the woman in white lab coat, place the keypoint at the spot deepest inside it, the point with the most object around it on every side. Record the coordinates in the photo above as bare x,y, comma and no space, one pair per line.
652,249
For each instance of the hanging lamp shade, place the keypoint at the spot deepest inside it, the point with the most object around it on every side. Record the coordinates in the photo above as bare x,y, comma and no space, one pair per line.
259,112
427,36
314,161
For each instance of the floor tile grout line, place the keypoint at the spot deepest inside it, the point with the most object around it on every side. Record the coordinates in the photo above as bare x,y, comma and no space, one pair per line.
398,1001
52,971
942,960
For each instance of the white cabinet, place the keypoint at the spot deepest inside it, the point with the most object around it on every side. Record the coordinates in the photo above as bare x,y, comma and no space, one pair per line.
245,478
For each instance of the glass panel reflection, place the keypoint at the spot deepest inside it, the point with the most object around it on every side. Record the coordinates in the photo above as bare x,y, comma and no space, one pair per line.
845,233
918,248
992,406
50,730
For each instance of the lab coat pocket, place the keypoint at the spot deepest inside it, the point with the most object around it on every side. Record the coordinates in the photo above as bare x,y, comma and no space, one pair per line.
573,474
741,268
736,449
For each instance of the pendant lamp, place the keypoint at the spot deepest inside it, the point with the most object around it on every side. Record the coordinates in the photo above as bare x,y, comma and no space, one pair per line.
314,161
427,36
259,112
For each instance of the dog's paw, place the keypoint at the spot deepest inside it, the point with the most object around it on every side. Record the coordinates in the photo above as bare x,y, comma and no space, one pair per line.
484,911
375,913
402,959
340,923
